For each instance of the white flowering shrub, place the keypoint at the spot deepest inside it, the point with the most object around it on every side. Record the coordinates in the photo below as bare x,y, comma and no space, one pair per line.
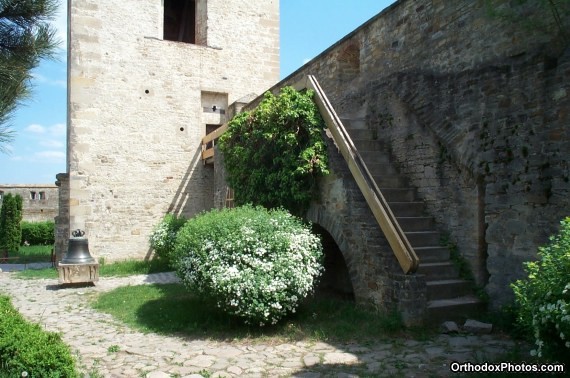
162,239
256,264
543,298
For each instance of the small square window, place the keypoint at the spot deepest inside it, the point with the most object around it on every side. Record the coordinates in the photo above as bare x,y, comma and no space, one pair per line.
42,195
33,195
180,20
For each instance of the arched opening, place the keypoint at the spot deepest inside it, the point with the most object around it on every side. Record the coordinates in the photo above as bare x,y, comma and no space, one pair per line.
335,281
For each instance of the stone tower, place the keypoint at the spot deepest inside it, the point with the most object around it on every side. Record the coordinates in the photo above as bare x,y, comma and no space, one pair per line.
146,80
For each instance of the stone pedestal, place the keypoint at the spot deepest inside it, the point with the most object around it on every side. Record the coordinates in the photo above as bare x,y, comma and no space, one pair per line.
78,273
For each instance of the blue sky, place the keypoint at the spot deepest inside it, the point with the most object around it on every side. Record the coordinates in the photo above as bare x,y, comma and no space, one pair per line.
38,151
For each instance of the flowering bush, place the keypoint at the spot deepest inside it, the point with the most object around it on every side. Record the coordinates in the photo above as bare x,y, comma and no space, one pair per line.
544,297
257,264
162,239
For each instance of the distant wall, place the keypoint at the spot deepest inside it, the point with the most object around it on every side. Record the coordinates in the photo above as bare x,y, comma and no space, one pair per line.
475,107
40,202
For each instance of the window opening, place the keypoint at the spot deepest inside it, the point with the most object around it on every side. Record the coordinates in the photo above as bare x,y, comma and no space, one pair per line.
33,195
42,195
180,20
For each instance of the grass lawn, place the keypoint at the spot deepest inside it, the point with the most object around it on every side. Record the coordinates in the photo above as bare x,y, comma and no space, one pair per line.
171,309
30,254
116,269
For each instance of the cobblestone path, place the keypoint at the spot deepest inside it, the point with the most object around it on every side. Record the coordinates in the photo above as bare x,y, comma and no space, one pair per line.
90,335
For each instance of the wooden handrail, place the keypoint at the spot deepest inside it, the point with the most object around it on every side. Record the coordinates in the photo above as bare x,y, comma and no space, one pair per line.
208,152
215,134
405,254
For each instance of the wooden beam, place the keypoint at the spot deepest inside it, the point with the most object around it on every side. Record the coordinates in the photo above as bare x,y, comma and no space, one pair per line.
215,134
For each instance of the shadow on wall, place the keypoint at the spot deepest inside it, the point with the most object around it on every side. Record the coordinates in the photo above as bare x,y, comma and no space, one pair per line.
195,192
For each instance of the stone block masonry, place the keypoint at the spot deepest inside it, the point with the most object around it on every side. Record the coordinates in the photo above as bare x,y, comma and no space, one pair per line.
137,109
474,109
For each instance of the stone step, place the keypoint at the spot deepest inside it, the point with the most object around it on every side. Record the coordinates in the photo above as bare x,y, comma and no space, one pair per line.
456,309
395,194
374,157
382,170
438,270
370,145
354,123
423,238
432,254
447,289
362,134
410,224
391,181
407,209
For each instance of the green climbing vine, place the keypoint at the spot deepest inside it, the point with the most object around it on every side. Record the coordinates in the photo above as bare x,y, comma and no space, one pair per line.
274,154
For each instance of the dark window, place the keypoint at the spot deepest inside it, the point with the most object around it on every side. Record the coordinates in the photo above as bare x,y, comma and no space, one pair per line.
42,195
32,195
180,20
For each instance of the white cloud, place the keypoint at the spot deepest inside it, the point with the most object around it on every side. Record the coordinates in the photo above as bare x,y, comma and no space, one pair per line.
51,143
50,155
40,157
59,129
60,24
35,129
42,79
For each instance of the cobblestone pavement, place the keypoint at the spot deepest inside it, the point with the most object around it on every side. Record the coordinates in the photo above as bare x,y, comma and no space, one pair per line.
91,334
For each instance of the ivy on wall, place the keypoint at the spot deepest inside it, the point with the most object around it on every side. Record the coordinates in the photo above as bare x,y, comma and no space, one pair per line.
274,153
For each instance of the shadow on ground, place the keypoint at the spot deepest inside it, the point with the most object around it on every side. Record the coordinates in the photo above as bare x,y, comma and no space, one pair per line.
172,309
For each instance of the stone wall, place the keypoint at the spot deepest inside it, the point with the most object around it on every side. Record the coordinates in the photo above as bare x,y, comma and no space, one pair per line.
139,106
374,271
62,231
39,202
475,107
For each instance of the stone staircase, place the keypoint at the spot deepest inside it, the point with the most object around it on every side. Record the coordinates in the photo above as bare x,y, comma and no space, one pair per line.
449,296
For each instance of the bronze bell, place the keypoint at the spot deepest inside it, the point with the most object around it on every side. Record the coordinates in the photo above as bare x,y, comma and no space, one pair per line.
78,250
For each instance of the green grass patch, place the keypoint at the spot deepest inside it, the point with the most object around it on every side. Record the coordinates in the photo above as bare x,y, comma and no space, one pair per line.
30,254
115,269
132,267
37,274
173,310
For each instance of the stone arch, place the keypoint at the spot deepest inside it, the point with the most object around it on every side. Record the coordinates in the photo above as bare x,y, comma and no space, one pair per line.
331,223
335,281
348,61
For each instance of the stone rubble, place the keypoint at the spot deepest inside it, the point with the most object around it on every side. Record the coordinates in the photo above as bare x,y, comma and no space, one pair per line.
477,327
91,334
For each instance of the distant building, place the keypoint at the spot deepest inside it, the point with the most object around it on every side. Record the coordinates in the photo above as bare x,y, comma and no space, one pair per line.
40,202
